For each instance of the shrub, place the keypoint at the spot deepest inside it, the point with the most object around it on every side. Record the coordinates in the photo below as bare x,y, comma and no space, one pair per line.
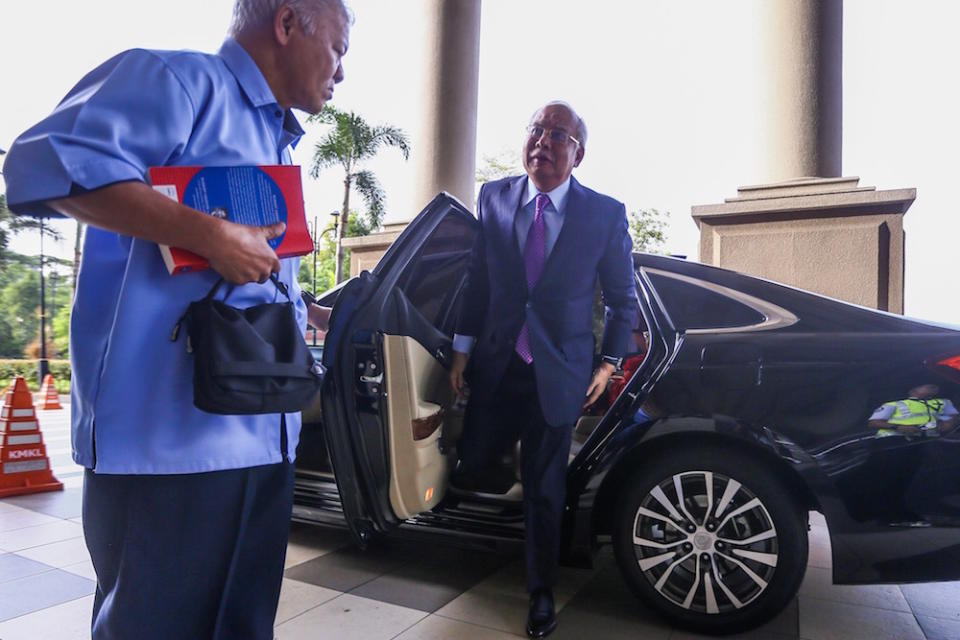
32,351
10,369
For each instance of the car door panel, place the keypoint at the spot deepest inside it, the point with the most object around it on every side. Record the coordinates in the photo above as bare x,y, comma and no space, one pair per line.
387,379
418,388
338,411
400,317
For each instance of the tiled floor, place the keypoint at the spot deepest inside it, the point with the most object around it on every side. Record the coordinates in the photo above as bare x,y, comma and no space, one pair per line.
415,590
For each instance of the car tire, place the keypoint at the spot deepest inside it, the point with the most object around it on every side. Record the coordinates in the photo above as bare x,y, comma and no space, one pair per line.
720,571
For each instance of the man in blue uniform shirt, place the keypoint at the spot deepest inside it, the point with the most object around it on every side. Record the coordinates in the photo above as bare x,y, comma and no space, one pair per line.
185,513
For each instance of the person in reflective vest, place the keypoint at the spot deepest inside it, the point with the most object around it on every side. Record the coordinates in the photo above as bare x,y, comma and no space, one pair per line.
920,415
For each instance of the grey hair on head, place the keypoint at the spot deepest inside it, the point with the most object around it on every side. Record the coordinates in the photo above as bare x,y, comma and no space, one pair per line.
252,13
581,125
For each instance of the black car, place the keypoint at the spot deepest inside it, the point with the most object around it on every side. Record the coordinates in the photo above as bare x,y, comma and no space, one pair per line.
754,403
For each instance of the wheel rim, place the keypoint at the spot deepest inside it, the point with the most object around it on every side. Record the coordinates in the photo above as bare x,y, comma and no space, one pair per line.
705,542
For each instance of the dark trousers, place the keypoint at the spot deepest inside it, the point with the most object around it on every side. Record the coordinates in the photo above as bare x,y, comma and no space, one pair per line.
490,430
188,556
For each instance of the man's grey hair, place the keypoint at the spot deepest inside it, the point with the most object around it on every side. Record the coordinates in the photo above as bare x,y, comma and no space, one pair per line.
581,134
253,13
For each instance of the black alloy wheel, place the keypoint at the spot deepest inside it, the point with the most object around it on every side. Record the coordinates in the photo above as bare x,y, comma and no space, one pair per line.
710,539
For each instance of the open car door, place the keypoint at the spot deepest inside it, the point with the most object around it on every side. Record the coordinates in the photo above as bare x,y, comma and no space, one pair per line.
386,393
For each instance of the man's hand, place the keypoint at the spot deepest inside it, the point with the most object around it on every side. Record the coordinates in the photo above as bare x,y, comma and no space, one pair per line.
946,426
318,316
457,367
241,254
908,429
599,383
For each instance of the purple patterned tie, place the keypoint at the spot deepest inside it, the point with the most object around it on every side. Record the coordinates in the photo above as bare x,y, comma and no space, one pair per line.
534,255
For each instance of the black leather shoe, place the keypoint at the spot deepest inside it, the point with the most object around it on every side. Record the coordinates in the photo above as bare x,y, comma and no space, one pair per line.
542,619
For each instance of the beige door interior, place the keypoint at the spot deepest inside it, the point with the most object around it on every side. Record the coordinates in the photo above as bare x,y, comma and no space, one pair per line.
418,390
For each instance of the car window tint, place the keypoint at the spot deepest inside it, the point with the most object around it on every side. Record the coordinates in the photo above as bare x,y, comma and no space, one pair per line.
691,306
432,280
599,324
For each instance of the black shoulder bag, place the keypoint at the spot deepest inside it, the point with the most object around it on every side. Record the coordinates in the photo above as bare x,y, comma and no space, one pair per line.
248,361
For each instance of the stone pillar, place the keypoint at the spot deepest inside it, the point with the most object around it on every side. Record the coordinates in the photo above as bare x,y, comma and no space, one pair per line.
829,236
804,89
366,251
810,228
445,154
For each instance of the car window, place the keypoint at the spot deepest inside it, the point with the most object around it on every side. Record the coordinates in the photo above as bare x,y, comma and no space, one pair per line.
599,323
698,306
433,278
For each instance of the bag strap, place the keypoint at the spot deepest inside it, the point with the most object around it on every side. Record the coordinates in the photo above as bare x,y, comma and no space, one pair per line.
215,287
273,278
213,291
259,369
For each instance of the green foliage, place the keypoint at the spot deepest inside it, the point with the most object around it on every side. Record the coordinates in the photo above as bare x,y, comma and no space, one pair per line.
11,224
647,228
325,271
5,216
503,164
59,302
366,183
349,142
20,302
356,226
60,325
20,306
10,369
19,224
20,287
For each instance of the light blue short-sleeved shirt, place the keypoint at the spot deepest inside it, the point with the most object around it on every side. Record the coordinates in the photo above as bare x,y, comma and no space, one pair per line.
132,388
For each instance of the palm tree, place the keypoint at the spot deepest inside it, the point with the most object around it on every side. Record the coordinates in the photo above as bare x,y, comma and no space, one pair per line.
348,143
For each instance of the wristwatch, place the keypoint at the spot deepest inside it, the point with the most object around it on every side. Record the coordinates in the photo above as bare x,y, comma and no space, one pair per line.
616,362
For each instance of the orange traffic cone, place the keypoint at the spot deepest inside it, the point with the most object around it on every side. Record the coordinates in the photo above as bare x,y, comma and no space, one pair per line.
24,466
48,397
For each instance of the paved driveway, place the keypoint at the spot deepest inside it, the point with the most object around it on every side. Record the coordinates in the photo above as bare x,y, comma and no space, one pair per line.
409,589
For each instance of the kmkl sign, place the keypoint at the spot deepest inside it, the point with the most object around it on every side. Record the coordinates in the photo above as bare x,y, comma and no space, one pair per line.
17,454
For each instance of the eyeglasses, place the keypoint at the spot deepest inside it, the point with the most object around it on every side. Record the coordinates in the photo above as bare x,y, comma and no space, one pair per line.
557,136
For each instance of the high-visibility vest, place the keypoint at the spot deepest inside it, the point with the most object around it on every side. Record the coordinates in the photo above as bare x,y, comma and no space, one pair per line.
920,413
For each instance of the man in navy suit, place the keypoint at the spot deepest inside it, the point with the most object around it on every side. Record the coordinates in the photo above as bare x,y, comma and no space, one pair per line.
527,320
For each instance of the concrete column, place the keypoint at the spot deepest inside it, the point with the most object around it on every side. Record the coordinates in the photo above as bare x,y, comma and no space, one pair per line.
828,235
805,89
809,227
366,251
445,154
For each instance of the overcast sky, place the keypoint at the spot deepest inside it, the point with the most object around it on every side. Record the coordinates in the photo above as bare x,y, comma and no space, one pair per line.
671,91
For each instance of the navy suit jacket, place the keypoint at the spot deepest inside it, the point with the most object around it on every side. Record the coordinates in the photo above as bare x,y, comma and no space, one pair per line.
593,242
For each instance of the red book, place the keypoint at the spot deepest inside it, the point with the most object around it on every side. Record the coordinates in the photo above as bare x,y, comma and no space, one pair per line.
246,195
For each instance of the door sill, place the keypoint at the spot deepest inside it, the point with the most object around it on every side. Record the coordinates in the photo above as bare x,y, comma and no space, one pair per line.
513,496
